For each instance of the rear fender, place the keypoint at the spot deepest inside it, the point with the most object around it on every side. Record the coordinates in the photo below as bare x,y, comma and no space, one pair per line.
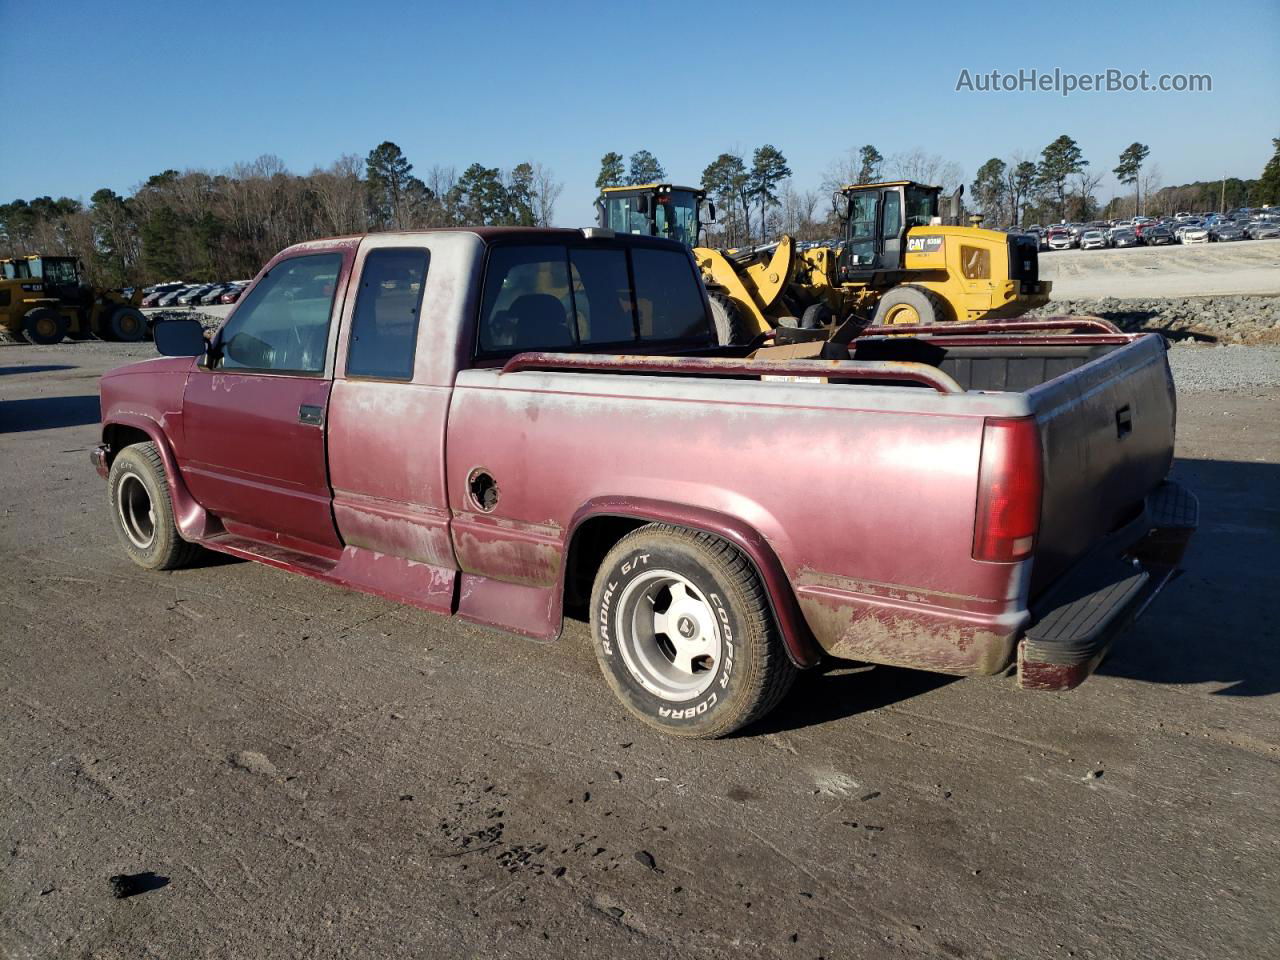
193,520
802,648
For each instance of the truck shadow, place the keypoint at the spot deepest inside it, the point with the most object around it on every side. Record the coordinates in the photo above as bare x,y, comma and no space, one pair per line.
842,688
47,413
1219,622
35,368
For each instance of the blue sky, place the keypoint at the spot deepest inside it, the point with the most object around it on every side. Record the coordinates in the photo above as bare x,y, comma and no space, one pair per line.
133,88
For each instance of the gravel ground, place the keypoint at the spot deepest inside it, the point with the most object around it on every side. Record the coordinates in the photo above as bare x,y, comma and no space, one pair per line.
309,772
1204,319
1217,269
1224,369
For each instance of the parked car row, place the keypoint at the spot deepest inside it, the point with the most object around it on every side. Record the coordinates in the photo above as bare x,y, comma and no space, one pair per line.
1183,228
193,294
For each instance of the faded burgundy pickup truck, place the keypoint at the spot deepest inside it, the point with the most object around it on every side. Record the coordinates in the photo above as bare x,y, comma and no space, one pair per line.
512,425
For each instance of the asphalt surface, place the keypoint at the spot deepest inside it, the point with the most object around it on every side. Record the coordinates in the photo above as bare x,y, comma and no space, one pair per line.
309,772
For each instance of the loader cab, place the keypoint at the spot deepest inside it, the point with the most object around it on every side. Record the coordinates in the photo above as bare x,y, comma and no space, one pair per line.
61,276
878,217
655,210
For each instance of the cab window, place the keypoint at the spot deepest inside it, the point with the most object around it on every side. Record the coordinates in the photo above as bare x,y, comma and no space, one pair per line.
283,326
552,297
862,228
921,207
384,325
892,214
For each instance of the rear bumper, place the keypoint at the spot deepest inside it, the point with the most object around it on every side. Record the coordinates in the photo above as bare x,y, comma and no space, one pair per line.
1076,622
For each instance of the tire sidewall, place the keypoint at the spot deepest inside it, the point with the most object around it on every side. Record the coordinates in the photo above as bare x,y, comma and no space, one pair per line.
699,713
33,317
914,297
118,316
131,463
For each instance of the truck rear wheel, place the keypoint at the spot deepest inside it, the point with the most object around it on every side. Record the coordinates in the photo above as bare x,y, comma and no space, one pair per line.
127,324
684,635
911,306
141,511
44,326
727,317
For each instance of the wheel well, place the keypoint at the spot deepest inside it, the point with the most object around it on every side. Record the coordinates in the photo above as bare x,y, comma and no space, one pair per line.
593,539
597,535
117,436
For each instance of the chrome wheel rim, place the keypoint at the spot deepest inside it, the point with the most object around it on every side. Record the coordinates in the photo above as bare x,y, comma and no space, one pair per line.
668,634
137,515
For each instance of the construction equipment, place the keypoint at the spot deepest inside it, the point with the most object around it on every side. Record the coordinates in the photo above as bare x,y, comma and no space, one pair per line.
902,261
656,210
43,297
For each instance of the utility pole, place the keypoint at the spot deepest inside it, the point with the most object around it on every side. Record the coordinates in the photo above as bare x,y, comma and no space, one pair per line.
1222,203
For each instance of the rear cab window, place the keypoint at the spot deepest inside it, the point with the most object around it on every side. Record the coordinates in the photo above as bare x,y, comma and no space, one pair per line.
582,296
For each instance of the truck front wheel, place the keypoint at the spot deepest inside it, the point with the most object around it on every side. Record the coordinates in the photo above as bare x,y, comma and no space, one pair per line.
684,635
141,511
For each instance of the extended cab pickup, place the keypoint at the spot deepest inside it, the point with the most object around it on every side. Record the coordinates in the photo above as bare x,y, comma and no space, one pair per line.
512,425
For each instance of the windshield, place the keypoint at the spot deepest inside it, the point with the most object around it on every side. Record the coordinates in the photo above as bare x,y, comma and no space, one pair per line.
676,217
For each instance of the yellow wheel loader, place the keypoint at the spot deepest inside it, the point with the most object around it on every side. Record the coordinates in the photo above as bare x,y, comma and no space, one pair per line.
43,298
900,262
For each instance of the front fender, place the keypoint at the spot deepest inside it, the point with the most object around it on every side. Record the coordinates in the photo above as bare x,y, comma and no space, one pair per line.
802,648
120,430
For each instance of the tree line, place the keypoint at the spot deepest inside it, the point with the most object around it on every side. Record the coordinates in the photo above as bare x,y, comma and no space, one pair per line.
1060,184
195,225
757,200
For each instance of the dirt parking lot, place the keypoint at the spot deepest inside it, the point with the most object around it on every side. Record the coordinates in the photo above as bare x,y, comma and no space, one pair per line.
316,773
1194,270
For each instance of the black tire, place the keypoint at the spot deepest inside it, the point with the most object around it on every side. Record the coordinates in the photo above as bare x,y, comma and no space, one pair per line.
816,315
731,326
127,324
728,636
138,495
44,326
928,306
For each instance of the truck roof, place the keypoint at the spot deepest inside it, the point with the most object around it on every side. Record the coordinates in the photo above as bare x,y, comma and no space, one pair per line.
489,234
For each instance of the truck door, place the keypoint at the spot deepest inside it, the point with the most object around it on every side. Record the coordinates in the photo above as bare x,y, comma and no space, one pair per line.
390,405
254,418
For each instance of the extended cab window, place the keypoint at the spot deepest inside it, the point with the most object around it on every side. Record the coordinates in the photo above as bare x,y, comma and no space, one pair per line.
553,297
384,328
283,326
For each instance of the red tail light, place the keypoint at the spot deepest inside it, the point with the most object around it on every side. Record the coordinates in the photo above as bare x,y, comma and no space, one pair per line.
1010,485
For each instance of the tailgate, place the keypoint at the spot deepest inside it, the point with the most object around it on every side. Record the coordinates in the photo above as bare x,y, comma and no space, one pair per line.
1107,432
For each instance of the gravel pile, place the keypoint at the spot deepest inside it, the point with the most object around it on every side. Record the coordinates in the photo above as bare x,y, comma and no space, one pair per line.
1204,319
207,320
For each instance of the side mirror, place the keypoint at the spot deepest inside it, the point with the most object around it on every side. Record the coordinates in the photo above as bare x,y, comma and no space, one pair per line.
179,338
600,214
642,205
711,213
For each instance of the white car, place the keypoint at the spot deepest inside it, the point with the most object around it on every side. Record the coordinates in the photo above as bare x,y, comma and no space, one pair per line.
1061,240
1195,235
1093,240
